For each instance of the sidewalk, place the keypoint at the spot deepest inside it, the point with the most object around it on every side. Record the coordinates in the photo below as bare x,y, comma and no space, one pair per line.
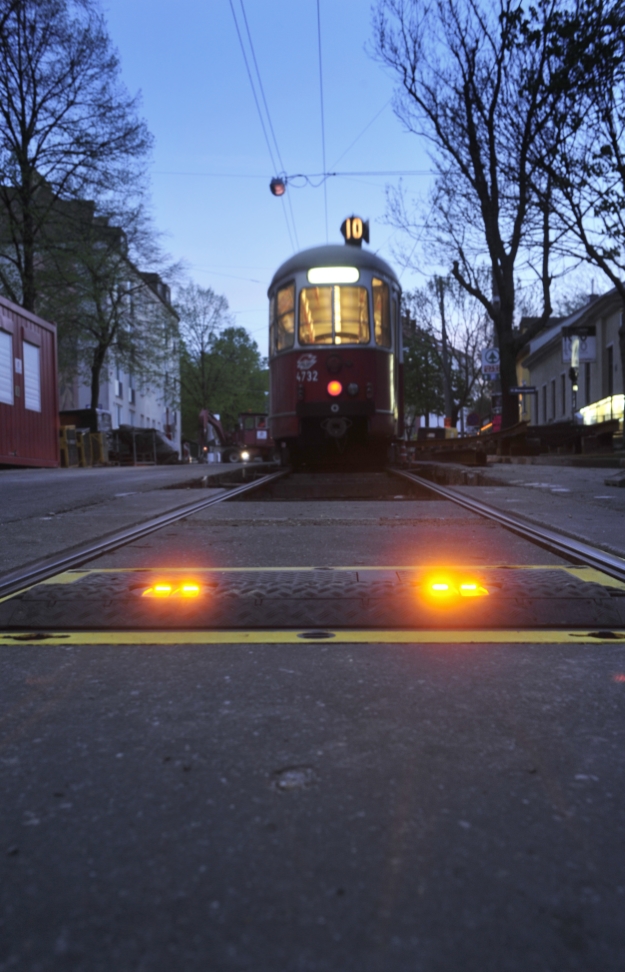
44,511
575,501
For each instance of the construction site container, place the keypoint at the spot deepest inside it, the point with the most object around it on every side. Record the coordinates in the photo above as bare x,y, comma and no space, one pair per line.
29,423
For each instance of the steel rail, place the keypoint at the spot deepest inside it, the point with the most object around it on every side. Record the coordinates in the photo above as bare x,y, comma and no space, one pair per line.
575,550
31,574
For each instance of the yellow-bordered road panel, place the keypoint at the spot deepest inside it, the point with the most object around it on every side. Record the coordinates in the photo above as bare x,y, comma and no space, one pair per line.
208,638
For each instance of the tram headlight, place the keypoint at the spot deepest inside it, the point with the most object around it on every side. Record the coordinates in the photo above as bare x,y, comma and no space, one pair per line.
245,456
352,388
334,388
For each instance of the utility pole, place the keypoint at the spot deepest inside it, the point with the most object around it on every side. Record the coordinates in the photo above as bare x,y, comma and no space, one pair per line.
440,291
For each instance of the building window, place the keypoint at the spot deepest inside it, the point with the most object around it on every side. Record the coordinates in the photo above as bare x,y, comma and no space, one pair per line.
32,377
563,392
6,368
119,415
587,383
553,398
544,404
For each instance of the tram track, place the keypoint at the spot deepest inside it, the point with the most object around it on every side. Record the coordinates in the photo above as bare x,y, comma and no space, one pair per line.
558,543
24,577
66,596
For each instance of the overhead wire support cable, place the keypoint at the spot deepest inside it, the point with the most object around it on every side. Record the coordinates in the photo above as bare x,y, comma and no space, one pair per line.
258,109
323,124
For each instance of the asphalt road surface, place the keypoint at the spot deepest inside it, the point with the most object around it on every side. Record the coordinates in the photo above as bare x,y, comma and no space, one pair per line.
313,806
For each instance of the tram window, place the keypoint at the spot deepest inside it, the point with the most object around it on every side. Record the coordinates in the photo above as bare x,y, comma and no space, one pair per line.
351,315
381,314
249,422
285,319
334,315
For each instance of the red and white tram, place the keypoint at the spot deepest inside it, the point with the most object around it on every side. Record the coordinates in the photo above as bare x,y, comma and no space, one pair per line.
335,355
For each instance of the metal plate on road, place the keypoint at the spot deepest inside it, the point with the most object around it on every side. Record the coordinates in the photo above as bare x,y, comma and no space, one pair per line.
336,598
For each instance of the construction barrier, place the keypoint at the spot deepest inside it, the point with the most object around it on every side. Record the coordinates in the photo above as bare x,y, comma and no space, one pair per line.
68,446
83,446
99,448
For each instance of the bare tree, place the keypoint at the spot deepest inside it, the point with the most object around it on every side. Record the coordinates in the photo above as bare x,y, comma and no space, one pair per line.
457,329
107,310
588,171
68,128
474,79
203,314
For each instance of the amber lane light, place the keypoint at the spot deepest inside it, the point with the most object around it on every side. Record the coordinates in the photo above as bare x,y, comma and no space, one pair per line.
161,590
334,388
190,590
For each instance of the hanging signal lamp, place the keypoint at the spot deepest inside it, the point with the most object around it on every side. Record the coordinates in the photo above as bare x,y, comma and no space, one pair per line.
277,186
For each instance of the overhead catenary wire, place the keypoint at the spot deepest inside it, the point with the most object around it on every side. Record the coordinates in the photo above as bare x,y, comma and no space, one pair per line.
258,107
323,124
307,177
268,113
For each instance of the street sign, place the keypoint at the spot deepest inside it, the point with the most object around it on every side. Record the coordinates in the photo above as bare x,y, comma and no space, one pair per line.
579,345
524,390
490,361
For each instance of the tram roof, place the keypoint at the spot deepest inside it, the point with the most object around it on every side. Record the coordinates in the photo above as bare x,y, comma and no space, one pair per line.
333,255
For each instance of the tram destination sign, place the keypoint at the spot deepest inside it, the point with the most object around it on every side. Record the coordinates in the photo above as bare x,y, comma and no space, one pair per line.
524,390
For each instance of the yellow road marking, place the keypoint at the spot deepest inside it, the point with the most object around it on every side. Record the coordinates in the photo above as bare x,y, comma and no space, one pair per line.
415,637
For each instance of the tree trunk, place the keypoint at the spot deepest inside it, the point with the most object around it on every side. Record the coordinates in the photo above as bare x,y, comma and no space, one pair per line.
96,369
508,378
28,248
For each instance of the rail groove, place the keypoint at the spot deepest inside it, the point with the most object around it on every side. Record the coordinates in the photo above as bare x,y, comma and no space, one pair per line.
18,580
575,550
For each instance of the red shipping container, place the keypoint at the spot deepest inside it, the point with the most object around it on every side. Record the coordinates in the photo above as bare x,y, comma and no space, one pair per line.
29,404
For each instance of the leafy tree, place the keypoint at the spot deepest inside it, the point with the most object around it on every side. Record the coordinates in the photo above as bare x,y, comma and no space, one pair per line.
225,374
68,129
423,391
475,80
203,314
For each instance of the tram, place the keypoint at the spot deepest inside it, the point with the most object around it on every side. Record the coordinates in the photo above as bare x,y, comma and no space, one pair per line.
335,354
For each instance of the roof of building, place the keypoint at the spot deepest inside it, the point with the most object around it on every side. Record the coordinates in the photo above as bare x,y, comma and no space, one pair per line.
550,336
333,255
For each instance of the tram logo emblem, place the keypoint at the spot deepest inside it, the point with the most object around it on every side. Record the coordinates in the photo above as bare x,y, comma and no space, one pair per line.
306,361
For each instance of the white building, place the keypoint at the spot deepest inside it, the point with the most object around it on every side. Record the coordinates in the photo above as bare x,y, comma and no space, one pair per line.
150,403
600,381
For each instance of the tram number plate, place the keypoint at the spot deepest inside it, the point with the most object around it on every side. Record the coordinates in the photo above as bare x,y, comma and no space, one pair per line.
261,434
307,376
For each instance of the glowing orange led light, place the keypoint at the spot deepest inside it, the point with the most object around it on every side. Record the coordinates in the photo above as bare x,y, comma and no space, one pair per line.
161,590
190,590
472,590
334,388
440,587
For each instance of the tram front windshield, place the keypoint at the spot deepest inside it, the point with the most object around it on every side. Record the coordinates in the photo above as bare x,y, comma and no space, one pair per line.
334,315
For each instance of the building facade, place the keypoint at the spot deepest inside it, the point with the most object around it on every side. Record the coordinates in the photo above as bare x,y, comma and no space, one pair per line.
132,398
600,381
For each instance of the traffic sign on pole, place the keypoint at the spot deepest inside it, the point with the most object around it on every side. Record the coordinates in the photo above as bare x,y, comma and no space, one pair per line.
490,362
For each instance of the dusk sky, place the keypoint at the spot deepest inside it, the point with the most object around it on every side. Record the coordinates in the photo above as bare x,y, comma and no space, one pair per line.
211,167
